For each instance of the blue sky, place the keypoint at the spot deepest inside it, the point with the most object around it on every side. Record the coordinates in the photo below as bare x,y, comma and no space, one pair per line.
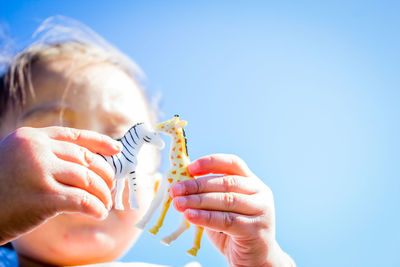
307,93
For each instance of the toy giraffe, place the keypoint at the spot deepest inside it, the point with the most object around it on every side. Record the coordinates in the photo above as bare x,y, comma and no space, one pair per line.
179,160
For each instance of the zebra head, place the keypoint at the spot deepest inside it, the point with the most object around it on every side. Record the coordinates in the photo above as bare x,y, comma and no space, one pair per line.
148,135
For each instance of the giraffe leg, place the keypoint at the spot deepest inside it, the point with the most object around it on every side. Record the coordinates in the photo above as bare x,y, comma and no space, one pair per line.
155,203
132,194
119,190
196,241
183,226
160,220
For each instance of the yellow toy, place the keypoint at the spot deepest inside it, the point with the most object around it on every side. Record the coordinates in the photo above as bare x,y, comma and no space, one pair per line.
179,160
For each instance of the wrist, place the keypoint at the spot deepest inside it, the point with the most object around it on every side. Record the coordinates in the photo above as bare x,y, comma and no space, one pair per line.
278,258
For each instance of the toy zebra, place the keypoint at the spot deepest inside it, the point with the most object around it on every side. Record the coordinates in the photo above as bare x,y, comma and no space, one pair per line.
179,160
125,162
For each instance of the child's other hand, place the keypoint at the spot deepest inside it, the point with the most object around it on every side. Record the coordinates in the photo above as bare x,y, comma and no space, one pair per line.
46,171
236,209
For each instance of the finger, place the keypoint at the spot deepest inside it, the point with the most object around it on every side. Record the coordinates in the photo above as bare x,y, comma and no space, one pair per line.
82,156
73,199
95,142
232,202
80,177
227,222
219,164
236,184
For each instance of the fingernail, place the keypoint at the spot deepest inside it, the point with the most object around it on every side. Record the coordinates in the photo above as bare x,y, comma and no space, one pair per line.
104,215
192,213
117,145
193,166
178,189
181,201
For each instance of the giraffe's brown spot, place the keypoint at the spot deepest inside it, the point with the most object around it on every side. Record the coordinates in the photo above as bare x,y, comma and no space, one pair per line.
174,172
179,157
172,157
174,164
183,173
179,141
176,133
178,180
162,127
173,128
170,181
180,149
173,149
180,165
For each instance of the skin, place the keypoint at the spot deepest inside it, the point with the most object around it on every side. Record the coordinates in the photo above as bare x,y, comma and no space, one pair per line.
59,193
235,207
62,216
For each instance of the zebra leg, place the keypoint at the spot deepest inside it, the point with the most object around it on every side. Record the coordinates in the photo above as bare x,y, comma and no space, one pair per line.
183,226
155,203
119,190
132,193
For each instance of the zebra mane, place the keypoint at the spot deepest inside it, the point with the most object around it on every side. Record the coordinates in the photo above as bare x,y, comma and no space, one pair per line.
133,127
137,124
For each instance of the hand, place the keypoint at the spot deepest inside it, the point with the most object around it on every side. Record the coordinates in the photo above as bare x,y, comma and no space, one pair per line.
46,171
236,209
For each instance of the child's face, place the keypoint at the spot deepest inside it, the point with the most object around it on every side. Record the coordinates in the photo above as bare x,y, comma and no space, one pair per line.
102,98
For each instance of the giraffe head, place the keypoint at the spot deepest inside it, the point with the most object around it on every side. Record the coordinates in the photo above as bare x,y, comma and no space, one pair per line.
171,126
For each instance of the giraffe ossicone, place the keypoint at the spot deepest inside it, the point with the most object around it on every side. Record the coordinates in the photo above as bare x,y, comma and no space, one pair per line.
179,161
124,163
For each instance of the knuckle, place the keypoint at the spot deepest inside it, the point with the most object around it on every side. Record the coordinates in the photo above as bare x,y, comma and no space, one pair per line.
194,185
228,220
197,199
229,200
210,217
85,156
84,202
72,134
229,183
88,179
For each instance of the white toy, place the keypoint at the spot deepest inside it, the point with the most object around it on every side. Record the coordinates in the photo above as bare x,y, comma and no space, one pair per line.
178,172
125,162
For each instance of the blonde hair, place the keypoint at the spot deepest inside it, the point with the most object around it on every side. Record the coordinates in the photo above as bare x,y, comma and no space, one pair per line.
56,37
59,37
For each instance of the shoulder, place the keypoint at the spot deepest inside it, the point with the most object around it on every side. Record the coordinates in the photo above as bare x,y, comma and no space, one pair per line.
138,264
8,257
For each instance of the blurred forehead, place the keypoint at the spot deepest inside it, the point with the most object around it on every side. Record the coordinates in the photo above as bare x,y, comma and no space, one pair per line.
88,88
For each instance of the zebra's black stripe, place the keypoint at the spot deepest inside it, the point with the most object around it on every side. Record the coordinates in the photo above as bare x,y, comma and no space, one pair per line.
102,156
146,140
115,167
132,172
136,132
126,157
126,140
120,163
127,149
132,137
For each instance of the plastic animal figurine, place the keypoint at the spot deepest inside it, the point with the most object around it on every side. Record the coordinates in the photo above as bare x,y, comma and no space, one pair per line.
125,162
179,160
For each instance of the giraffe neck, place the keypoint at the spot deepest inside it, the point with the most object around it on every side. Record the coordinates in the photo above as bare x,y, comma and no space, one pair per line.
178,156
